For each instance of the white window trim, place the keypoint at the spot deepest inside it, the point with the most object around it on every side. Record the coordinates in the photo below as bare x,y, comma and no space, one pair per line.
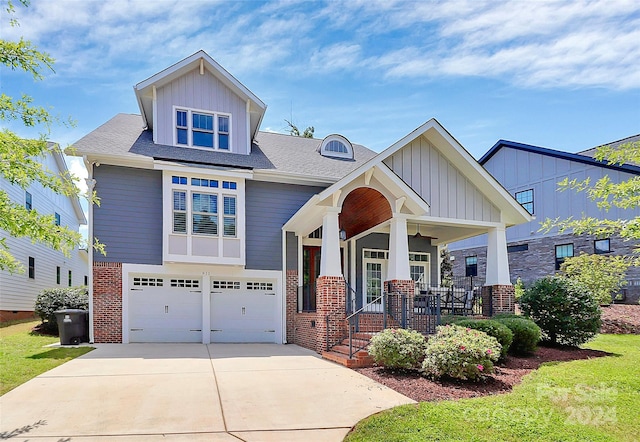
385,264
330,154
215,115
238,193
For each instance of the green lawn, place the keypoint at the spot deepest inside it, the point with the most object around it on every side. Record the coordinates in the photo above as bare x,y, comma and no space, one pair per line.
587,400
23,355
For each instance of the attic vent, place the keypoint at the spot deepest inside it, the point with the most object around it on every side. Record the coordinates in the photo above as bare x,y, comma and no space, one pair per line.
336,146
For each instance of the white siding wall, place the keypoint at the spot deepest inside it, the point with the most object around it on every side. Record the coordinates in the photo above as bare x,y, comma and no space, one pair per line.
17,291
449,193
203,92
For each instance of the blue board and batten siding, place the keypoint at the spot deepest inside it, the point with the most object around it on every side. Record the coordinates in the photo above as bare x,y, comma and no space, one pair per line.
129,219
268,207
204,93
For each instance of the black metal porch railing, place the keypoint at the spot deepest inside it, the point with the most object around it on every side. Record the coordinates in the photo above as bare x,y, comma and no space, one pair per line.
463,296
392,309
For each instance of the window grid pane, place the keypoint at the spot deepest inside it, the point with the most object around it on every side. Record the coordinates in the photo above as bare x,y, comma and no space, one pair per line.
525,198
205,214
179,212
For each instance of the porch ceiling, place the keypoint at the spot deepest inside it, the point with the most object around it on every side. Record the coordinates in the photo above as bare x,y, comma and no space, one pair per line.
439,233
363,209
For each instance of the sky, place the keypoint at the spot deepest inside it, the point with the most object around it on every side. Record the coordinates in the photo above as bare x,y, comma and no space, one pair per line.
558,74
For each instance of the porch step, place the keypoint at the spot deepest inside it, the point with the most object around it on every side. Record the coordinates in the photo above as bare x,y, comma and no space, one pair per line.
343,359
340,353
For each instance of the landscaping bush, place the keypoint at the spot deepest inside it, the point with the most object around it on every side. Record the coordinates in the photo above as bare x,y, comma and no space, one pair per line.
397,348
567,313
451,319
51,300
526,334
460,353
493,328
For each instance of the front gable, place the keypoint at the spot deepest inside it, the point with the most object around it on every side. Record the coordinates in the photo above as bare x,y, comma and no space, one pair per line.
438,181
197,104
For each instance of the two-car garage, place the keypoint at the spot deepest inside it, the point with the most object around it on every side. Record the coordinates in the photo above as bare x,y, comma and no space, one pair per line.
171,308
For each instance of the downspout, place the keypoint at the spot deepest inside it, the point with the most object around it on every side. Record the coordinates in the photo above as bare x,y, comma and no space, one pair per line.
90,185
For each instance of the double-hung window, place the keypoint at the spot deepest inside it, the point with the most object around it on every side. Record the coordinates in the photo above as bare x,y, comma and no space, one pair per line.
229,218
202,129
563,251
210,130
471,266
179,211
205,213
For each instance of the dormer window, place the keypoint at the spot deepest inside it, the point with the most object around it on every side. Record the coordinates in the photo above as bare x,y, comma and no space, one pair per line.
201,129
336,146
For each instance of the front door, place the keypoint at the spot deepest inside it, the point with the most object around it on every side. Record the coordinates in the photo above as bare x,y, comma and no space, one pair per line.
311,270
375,269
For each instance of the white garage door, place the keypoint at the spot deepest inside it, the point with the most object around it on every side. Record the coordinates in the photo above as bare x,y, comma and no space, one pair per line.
165,309
243,310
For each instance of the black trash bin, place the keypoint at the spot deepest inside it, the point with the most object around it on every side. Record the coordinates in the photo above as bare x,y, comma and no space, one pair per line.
73,325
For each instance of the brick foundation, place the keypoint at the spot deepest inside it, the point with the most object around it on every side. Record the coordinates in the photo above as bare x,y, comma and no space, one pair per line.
107,302
498,299
305,334
12,315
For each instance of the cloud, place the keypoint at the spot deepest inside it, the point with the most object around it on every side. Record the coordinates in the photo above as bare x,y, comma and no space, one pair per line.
533,44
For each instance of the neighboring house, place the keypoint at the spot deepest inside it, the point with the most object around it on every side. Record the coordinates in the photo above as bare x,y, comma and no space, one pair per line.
531,174
43,266
217,232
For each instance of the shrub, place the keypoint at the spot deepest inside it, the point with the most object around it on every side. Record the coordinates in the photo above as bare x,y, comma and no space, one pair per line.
601,275
566,312
519,289
493,328
51,300
460,353
397,348
451,319
526,334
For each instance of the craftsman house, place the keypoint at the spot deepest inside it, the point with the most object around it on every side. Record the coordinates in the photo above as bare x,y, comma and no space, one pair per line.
218,232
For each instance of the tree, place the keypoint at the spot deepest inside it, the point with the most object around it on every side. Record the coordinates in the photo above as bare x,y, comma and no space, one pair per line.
606,194
446,268
601,275
20,158
293,130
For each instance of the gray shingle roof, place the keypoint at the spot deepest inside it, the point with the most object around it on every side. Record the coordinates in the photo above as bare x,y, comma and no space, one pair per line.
632,139
123,137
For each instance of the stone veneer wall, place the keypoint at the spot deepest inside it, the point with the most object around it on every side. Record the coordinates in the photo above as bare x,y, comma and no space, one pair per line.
107,302
540,260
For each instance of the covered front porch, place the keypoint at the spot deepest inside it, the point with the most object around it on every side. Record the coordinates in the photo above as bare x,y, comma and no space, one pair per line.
380,230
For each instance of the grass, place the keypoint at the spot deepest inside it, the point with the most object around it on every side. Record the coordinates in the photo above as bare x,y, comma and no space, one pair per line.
23,355
586,400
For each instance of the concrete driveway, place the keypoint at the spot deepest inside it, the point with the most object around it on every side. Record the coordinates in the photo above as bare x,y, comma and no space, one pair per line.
217,392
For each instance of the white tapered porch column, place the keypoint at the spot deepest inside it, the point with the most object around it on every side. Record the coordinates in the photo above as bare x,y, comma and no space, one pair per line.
330,262
398,267
497,258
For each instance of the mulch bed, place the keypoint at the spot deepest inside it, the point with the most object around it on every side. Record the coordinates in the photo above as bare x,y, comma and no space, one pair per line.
619,319
510,373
